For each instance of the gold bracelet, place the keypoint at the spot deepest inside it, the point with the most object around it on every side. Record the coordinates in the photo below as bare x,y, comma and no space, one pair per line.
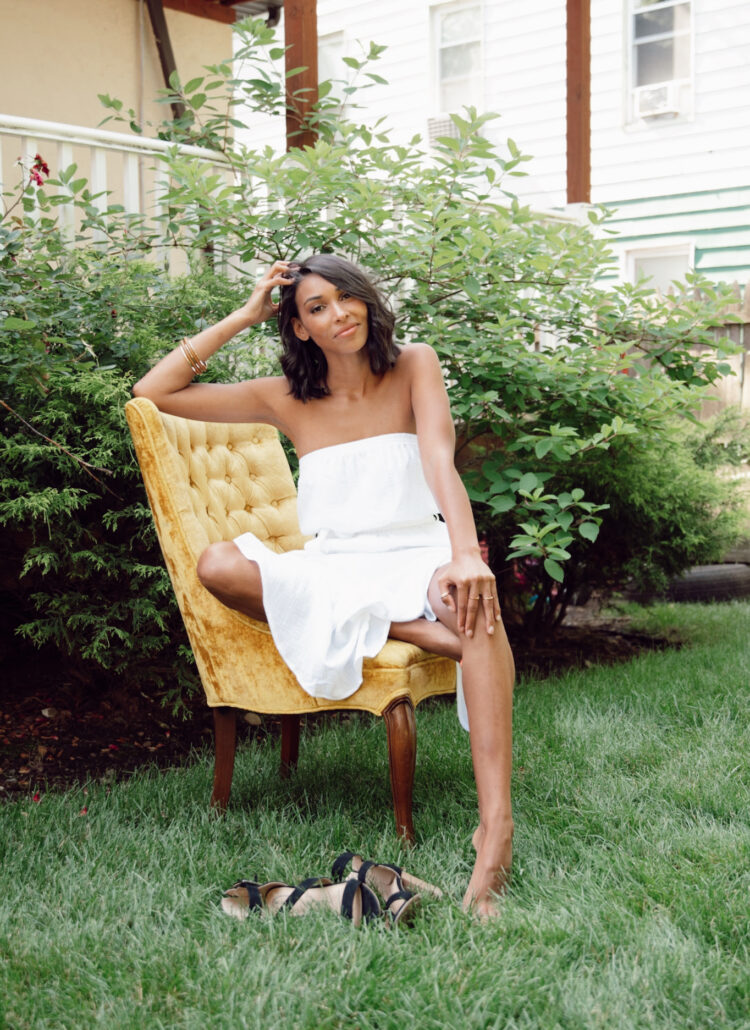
197,365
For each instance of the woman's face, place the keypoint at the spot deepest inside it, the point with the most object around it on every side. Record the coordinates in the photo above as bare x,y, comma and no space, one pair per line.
330,316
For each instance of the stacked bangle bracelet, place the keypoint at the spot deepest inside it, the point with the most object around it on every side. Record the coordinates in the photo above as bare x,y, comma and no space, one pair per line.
198,365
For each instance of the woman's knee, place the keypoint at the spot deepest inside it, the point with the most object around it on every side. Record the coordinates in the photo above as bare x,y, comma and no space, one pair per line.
217,564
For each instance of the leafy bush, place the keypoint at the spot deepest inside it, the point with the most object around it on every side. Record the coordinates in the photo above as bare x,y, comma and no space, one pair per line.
566,395
81,570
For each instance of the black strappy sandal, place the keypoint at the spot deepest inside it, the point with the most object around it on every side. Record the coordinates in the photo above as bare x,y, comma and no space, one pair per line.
388,881
353,900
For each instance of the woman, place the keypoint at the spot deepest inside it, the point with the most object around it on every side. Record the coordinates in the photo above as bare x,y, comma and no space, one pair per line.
372,426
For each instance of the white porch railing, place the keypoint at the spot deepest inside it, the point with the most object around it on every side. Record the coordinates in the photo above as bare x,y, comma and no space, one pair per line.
120,168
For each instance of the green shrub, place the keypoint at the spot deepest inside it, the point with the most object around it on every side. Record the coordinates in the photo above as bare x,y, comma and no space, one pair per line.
565,395
81,568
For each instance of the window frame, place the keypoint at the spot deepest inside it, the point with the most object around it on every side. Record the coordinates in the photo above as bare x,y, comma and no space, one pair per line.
437,12
679,90
676,247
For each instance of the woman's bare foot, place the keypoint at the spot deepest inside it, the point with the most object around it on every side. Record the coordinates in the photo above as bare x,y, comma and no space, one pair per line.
491,870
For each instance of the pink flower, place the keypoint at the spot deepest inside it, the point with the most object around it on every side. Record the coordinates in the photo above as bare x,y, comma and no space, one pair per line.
38,169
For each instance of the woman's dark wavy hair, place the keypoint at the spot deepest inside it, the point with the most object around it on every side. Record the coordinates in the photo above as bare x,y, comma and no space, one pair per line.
302,361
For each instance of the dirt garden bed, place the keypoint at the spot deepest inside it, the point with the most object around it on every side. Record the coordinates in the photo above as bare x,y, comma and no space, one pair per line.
55,733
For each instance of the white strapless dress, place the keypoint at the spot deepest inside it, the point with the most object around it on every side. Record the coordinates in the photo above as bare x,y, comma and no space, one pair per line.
377,541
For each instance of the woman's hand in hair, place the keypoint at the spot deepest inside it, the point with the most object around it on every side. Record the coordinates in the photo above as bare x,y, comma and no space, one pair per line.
260,305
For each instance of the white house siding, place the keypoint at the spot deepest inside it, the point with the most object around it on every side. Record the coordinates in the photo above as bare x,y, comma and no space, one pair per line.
673,181
714,224
525,67
523,63
705,150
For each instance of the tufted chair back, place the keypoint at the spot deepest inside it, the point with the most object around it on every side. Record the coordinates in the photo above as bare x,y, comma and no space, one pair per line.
237,480
209,481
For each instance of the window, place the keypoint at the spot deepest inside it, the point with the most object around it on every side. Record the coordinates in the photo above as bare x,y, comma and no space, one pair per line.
656,267
458,57
661,57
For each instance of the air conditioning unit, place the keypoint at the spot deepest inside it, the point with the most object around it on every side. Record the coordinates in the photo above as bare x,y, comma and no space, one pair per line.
652,101
441,126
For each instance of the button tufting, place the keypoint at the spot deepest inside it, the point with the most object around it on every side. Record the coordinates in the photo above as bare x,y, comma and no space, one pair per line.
256,439
227,479
230,445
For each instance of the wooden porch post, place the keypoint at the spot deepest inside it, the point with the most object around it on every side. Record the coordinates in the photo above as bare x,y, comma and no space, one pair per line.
579,101
301,39
164,47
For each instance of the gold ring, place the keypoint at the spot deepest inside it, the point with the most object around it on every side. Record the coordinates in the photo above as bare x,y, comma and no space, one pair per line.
443,596
475,598
487,597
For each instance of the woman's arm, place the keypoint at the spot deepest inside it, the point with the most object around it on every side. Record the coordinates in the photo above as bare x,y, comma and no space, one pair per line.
169,383
467,579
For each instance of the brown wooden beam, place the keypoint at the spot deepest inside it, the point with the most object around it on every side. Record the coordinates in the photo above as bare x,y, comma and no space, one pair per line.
301,41
579,101
164,46
203,9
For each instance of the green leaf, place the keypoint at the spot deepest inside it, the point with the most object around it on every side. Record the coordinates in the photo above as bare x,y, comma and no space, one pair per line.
527,483
589,530
554,570
501,503
542,447
471,285
19,325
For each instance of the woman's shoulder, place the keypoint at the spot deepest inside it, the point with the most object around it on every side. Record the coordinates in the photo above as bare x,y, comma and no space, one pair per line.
417,356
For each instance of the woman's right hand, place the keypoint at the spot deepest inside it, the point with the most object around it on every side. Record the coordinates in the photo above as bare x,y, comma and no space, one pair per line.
260,306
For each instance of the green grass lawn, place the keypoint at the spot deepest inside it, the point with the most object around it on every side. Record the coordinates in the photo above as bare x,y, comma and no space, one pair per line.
629,905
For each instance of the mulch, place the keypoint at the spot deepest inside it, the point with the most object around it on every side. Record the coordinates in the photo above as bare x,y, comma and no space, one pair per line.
57,733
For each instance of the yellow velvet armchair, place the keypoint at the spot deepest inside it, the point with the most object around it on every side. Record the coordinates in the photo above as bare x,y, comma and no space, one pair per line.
212,481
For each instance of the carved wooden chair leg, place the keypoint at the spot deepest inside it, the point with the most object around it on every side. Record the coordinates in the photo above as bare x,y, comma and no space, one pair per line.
289,743
401,729
225,744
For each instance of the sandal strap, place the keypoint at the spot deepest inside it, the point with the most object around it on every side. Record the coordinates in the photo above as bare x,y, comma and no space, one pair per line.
347,901
370,904
253,894
367,866
339,866
305,885
403,895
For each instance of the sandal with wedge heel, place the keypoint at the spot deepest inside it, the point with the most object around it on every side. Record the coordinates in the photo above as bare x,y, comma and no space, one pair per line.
390,882
353,900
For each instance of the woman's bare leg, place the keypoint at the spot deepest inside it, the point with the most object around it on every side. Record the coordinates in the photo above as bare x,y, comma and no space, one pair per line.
232,578
488,675
432,636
